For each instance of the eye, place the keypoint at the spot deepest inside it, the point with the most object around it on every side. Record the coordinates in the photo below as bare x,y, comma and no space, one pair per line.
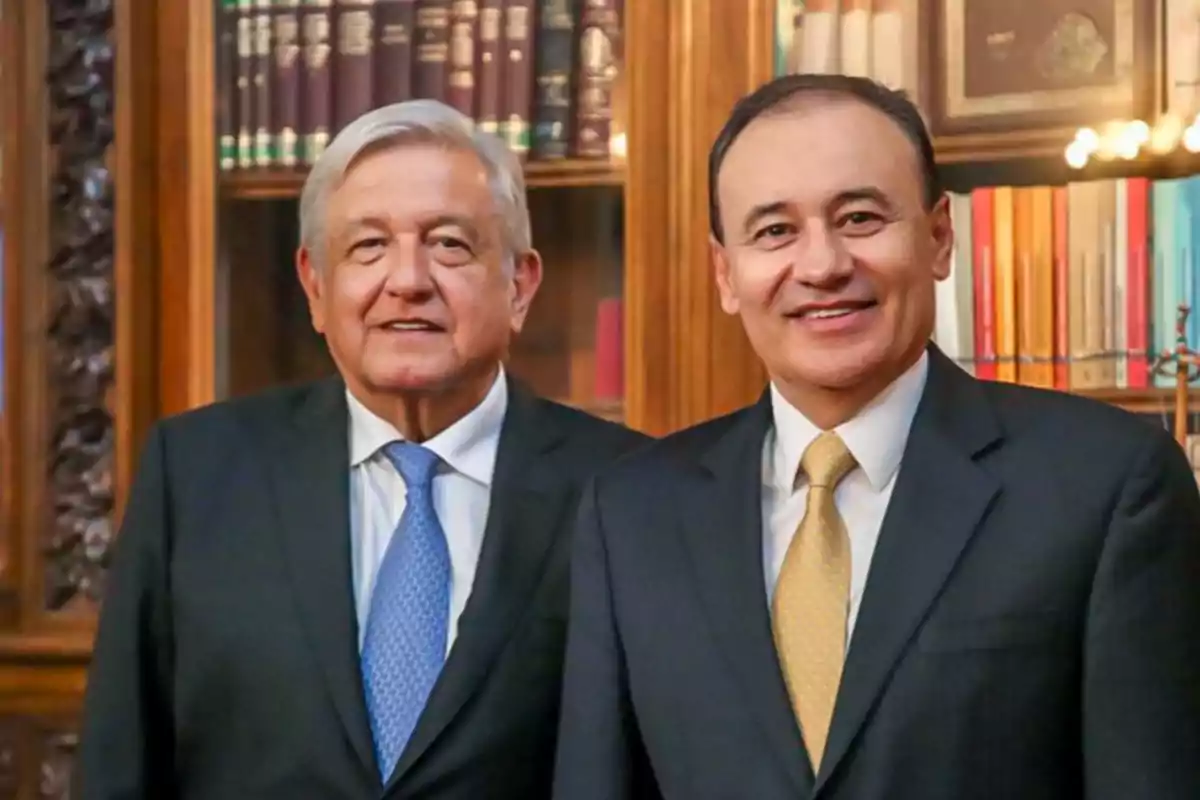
368,248
861,223
773,233
451,250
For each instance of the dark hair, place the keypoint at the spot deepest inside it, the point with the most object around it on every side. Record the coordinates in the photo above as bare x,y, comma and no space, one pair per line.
778,93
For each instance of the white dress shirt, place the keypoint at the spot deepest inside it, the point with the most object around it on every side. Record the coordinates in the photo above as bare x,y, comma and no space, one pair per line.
876,437
461,495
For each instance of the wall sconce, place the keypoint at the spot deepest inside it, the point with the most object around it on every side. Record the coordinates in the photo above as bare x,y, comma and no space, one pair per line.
1126,139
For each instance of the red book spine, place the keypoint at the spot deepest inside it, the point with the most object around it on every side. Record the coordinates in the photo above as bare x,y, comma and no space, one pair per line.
985,304
1137,317
610,347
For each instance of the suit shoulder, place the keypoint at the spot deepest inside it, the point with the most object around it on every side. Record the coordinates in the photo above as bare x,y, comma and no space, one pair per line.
612,438
675,450
237,415
1065,421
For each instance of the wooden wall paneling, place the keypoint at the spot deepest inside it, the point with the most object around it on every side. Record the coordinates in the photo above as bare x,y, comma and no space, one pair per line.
186,165
651,318
719,52
22,136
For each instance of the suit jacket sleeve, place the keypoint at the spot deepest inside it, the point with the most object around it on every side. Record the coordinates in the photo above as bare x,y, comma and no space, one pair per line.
1141,700
126,742
599,752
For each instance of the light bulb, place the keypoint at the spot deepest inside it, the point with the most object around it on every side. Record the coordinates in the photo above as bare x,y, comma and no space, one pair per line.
617,146
1191,139
1088,139
1139,131
1076,155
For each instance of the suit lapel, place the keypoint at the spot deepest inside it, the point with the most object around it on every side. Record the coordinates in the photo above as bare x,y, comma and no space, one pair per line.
940,498
723,530
311,489
528,500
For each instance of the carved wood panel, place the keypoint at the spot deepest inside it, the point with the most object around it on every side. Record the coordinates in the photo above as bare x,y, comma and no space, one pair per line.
80,329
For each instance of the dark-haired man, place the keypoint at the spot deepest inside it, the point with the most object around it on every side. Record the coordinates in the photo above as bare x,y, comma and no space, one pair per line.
886,580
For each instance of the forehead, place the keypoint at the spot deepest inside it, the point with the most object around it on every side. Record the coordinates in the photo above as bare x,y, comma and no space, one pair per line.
409,181
811,153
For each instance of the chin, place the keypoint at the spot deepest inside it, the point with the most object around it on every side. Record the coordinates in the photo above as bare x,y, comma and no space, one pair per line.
840,370
412,377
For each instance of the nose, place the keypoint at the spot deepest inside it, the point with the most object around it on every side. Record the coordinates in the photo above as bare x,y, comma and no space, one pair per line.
408,269
821,258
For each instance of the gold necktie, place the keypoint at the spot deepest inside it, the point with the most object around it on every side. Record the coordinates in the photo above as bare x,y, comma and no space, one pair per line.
812,596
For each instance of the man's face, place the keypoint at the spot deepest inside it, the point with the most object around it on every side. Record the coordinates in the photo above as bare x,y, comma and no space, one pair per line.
830,256
412,291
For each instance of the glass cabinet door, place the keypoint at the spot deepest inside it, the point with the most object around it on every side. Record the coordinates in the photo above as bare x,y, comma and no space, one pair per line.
543,75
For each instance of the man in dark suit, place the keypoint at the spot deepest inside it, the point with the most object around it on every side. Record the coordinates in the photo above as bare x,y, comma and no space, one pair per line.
358,588
886,580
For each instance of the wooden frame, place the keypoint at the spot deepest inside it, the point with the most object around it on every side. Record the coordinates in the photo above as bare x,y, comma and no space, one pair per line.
189,216
1020,124
80,256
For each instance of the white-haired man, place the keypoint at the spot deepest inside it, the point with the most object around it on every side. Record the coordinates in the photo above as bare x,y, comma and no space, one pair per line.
357,588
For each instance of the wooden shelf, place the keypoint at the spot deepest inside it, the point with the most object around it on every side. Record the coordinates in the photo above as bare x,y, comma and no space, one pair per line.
1141,401
277,184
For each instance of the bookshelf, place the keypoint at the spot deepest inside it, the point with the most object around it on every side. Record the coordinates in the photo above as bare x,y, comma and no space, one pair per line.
1080,299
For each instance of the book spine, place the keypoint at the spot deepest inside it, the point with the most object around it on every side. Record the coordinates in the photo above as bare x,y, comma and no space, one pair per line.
433,49
227,90
554,96
599,31
394,50
490,66
287,82
245,83
316,106
353,64
518,75
264,125
464,32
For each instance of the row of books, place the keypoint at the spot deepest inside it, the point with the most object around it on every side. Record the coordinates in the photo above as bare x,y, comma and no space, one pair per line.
291,74
1072,287
876,39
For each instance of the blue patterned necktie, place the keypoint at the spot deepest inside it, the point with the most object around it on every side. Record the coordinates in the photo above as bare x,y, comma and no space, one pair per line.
405,641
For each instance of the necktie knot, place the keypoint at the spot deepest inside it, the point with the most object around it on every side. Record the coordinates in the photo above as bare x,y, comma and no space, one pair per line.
827,460
416,464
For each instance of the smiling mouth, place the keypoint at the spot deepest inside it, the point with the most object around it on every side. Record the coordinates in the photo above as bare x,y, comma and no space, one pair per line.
832,312
412,326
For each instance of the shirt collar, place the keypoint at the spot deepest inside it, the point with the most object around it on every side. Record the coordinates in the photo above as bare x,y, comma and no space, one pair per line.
468,446
876,436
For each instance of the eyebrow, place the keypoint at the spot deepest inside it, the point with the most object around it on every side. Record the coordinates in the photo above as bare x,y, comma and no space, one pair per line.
762,210
872,193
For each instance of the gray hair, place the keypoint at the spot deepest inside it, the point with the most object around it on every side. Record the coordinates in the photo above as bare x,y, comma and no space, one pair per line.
421,121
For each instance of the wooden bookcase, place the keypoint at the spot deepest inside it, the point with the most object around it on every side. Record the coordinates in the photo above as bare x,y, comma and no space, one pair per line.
197,302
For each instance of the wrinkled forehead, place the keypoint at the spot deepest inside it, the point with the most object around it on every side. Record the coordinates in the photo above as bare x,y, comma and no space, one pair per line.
814,151
413,181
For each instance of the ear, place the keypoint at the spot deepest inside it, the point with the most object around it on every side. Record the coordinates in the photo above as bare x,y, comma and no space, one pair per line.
526,278
722,271
310,280
941,229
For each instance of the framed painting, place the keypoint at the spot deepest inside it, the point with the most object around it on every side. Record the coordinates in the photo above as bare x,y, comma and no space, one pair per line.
1017,79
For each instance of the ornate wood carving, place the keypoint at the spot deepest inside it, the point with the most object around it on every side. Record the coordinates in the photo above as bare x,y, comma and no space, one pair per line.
81,322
